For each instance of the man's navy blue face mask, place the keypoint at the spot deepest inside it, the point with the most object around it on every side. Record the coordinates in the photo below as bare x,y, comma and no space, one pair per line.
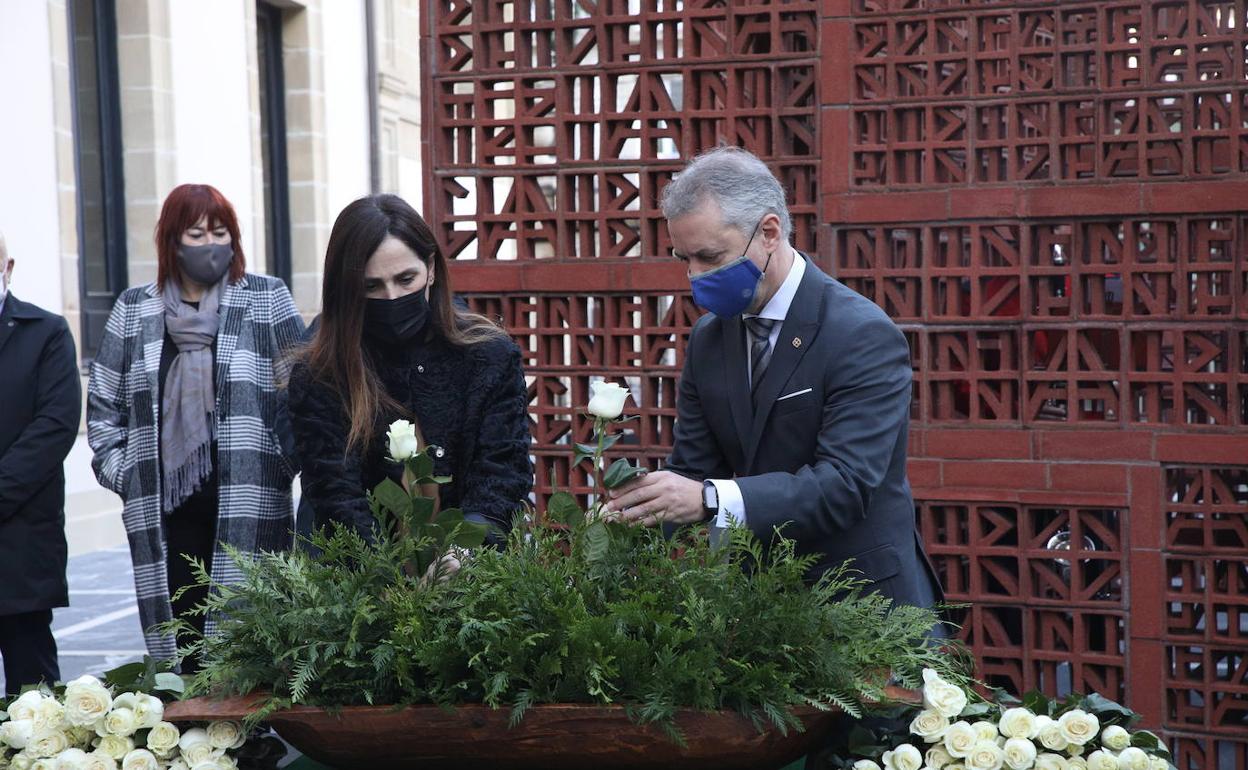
729,290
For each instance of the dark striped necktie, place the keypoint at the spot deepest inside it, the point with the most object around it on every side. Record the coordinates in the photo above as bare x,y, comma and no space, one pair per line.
760,347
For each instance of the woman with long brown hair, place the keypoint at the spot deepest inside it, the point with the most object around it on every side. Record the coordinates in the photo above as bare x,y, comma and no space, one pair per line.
184,413
391,343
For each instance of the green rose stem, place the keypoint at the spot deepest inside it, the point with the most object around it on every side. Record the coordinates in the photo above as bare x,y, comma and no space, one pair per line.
600,492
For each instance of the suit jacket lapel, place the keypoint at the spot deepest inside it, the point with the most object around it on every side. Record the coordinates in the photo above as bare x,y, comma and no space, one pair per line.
7,324
801,325
733,369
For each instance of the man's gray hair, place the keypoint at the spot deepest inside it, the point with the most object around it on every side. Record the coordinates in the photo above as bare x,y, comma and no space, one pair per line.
738,181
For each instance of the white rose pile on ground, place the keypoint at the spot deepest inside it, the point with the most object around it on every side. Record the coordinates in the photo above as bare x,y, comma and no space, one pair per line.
955,730
88,728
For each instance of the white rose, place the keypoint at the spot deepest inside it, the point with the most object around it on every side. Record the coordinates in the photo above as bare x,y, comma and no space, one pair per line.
1078,726
71,759
128,700
960,740
1115,738
43,763
1020,753
207,764
178,764
942,697
865,764
930,725
21,762
1050,762
148,712
86,701
98,760
116,746
1076,763
17,732
402,441
140,759
1018,723
120,721
198,754
226,735
1050,736
163,738
1102,760
193,737
987,731
1157,763
24,707
226,762
606,399
1133,758
937,757
49,716
48,744
904,757
985,755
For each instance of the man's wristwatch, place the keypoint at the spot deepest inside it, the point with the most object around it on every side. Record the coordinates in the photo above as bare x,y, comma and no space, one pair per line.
710,499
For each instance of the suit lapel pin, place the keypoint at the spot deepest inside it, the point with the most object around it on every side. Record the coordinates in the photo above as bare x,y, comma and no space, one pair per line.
797,342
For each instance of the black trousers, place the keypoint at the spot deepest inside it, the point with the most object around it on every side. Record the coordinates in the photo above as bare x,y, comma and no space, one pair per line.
191,530
28,649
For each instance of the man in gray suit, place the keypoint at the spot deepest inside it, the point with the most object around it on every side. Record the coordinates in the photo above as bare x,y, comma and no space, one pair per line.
795,397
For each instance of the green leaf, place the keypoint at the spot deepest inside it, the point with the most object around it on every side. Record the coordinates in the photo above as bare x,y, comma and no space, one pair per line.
563,509
125,677
976,710
422,511
611,441
1108,710
597,541
1037,703
582,452
629,418
421,467
449,518
393,497
441,479
470,535
1145,740
621,472
170,682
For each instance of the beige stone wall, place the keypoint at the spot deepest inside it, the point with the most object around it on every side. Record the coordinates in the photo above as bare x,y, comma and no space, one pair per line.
399,91
149,148
66,181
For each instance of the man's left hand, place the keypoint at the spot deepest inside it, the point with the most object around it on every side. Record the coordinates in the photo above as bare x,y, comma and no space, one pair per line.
657,497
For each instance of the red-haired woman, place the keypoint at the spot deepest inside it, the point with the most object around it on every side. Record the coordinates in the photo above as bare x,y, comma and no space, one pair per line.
183,409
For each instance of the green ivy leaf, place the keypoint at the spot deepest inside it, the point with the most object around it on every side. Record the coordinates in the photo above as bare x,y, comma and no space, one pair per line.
393,497
621,472
597,541
563,509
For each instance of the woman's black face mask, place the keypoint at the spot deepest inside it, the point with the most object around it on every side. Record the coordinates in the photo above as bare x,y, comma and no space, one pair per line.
396,321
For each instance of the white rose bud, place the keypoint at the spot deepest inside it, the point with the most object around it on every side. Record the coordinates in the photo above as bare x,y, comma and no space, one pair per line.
1050,736
942,697
1018,723
116,746
148,711
1115,738
1078,726
929,725
140,759
1076,763
1133,758
986,755
1157,763
937,757
960,740
987,731
25,705
1050,762
71,759
87,700
120,721
163,738
226,735
98,760
866,764
904,757
16,733
402,441
606,399
1102,760
1020,753
48,744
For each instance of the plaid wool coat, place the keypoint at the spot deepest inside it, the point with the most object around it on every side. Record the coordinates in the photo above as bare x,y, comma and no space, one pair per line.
255,459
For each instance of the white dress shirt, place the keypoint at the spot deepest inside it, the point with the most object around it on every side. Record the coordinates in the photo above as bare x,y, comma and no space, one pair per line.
731,504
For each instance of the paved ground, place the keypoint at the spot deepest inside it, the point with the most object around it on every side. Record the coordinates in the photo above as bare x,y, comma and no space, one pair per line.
100,628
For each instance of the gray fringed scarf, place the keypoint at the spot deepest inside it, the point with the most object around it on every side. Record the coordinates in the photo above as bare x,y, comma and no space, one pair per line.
188,400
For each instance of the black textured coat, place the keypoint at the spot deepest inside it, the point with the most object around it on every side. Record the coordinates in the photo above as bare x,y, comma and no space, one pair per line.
40,408
469,401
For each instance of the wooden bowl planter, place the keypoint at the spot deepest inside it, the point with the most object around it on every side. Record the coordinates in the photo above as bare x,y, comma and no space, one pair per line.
553,736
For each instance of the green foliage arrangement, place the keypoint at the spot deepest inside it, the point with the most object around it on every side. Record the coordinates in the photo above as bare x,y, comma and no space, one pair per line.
587,611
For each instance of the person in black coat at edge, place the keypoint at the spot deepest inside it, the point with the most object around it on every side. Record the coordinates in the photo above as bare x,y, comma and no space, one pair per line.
40,408
391,344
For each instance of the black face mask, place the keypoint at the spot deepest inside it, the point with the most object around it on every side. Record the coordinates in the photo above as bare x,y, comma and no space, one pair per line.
396,321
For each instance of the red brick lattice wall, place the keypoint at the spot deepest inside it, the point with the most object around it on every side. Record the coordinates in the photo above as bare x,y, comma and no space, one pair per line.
1046,196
